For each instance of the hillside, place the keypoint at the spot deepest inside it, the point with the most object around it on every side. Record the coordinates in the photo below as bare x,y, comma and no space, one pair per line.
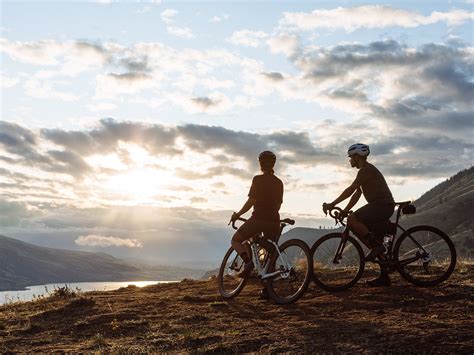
23,264
190,316
308,235
449,206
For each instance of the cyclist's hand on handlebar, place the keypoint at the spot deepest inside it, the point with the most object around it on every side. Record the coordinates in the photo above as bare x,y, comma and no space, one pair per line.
343,214
234,217
327,207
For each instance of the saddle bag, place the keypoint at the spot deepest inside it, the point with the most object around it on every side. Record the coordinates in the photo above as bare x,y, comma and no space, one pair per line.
409,209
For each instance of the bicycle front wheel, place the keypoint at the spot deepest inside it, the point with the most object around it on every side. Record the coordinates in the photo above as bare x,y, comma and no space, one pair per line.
337,263
425,256
293,271
230,285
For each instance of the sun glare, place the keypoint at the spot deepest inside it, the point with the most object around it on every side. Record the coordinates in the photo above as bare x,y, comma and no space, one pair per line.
138,184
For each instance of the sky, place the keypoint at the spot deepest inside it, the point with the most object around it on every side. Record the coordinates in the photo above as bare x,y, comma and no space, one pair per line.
133,127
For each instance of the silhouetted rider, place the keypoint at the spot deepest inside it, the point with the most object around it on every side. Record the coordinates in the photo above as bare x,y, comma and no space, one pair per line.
266,197
380,207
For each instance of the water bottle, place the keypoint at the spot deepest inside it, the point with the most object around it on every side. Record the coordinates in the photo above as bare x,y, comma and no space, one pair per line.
387,240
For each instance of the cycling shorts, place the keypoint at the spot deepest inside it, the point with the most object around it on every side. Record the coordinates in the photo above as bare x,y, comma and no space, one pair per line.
374,213
270,229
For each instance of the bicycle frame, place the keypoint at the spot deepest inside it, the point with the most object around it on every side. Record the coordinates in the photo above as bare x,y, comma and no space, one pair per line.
389,251
262,269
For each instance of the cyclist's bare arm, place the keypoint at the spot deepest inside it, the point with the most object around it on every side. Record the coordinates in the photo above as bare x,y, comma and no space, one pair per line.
247,205
345,194
355,197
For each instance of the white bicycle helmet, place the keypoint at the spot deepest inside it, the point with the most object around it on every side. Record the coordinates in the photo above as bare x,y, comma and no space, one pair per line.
358,148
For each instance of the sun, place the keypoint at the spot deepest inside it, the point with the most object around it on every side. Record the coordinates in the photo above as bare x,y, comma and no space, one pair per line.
136,184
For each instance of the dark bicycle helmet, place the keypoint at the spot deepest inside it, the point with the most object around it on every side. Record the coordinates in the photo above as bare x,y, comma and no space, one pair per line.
266,154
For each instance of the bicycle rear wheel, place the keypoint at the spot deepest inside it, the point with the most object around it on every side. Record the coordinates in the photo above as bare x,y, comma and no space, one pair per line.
230,285
337,274
425,256
294,272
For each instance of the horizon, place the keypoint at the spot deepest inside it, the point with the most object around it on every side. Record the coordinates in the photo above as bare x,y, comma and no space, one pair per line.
133,128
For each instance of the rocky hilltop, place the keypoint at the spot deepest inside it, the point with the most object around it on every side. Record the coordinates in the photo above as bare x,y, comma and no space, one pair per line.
190,317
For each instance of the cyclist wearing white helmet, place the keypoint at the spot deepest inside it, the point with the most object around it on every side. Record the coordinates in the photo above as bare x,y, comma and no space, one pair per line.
371,183
266,197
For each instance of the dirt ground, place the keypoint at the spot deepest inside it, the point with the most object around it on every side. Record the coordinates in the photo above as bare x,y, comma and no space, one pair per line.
190,316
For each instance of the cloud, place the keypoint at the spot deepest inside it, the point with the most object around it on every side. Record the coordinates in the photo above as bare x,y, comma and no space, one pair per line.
168,15
204,102
103,106
45,52
283,43
7,82
369,16
13,213
44,89
428,88
165,74
220,18
101,241
182,32
198,200
111,85
273,76
247,38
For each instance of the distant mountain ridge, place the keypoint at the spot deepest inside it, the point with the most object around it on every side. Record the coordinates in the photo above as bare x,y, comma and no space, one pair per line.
23,264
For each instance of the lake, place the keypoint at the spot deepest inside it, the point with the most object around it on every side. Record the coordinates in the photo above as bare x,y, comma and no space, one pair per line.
42,290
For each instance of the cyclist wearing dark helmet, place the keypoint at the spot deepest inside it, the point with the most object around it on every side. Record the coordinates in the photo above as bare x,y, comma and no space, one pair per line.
371,183
266,197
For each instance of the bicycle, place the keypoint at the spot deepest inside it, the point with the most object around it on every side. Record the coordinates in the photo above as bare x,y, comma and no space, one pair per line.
284,269
423,255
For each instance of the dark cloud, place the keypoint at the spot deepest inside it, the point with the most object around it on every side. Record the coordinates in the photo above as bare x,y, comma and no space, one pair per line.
433,85
70,163
134,64
213,172
204,102
155,138
13,213
20,141
130,77
292,148
273,76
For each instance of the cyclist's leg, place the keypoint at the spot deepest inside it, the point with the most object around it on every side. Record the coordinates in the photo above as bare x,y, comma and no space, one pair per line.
369,215
246,230
271,231
237,240
358,227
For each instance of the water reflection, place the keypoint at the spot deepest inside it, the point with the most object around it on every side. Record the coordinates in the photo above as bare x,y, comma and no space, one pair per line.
45,290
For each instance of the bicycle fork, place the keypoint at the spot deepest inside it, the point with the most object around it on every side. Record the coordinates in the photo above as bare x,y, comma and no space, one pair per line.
340,249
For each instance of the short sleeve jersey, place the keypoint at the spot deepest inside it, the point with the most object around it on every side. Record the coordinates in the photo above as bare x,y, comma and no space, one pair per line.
267,190
373,184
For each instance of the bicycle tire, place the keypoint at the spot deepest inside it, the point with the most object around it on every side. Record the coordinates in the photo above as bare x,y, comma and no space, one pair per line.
332,276
230,285
433,240
298,254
